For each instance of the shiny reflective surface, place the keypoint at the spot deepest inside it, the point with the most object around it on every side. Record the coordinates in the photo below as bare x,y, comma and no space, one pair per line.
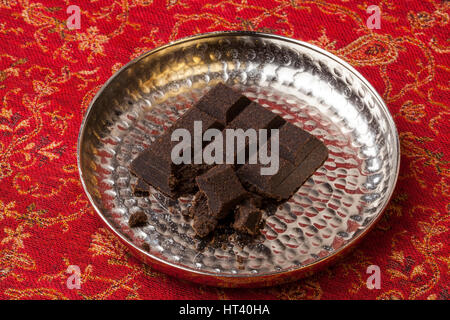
306,86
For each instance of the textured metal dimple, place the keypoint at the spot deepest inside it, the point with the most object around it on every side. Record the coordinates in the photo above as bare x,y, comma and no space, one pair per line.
306,88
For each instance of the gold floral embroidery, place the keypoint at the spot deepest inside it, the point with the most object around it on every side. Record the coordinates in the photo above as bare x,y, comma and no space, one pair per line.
93,41
16,237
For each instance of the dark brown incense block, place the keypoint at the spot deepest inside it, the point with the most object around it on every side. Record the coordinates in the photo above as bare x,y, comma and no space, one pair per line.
289,177
222,188
305,169
222,103
155,165
295,143
253,200
141,188
247,219
204,223
251,177
254,117
138,218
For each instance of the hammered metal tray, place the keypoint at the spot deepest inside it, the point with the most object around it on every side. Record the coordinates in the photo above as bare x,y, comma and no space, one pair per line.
307,86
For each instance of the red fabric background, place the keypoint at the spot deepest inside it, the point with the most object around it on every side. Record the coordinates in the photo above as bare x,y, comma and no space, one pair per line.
48,75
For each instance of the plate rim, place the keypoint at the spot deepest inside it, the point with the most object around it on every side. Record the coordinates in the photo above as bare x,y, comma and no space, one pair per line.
229,280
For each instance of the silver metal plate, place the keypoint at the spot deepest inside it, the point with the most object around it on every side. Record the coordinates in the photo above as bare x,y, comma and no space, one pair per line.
306,86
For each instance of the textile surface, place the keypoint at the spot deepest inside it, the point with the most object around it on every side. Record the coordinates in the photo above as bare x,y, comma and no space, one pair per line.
49,74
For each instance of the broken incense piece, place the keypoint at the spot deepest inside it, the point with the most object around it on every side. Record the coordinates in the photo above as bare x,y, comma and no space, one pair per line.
137,219
141,188
222,188
204,223
247,218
